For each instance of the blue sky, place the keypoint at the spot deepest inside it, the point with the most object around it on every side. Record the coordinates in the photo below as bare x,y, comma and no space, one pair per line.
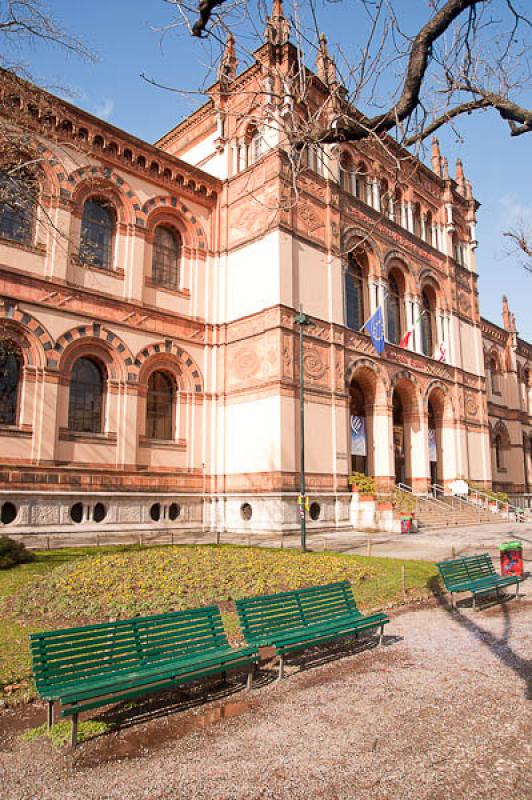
124,36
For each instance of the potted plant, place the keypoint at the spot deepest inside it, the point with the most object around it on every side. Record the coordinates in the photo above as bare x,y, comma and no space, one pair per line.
365,485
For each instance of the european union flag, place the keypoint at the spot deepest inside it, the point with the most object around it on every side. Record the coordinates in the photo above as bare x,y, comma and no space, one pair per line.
375,328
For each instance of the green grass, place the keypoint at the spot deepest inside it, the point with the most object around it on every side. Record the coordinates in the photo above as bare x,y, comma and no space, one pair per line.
59,735
68,587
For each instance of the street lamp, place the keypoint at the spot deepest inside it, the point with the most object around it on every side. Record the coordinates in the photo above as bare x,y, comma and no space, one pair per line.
301,319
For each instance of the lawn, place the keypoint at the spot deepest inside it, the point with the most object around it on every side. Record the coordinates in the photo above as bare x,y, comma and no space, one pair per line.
72,586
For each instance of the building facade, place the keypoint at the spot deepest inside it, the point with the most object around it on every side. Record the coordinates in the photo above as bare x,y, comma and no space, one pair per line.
150,362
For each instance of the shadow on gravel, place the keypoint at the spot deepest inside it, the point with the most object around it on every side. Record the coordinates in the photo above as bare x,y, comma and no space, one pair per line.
499,645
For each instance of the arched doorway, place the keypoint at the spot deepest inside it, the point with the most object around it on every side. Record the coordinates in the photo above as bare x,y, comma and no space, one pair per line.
434,445
399,439
362,394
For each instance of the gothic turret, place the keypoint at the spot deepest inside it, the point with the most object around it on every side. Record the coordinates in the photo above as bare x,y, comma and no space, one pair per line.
228,64
277,31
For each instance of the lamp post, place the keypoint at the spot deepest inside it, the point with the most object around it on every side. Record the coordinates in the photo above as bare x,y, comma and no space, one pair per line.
301,319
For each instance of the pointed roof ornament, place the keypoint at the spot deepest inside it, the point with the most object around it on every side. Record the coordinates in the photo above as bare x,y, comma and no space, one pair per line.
325,65
506,316
445,168
436,156
228,64
460,177
277,31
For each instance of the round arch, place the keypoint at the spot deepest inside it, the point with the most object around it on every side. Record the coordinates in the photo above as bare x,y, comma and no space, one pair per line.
176,358
95,338
168,210
88,181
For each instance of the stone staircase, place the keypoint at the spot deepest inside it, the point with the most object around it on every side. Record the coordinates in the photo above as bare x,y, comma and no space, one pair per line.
447,512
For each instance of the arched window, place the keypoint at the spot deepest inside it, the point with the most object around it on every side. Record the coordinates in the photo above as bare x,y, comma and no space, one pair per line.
417,219
427,326
97,229
361,182
398,207
428,228
160,406
85,407
346,172
354,294
17,205
258,146
10,368
393,308
494,376
166,257
499,461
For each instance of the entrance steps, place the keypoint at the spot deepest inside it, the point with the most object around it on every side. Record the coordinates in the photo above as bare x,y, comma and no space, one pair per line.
447,513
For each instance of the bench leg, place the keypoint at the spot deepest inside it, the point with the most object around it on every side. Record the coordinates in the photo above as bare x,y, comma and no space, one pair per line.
249,684
224,676
50,715
453,600
281,667
474,602
517,589
74,737
381,634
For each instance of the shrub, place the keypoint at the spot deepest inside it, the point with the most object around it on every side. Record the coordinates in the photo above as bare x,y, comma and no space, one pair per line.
13,553
364,483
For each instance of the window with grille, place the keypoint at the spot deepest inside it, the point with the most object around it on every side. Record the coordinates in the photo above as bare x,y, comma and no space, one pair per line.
85,408
427,338
354,295
160,406
393,311
17,206
166,258
97,230
10,367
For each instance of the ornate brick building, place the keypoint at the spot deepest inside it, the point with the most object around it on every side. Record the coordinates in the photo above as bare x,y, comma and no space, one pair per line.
149,351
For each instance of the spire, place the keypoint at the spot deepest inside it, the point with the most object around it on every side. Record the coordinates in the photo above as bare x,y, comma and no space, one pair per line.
444,168
277,31
460,177
506,316
228,64
436,155
326,68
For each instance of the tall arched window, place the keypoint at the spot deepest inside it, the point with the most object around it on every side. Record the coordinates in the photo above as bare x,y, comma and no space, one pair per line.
17,205
85,407
398,207
417,219
494,376
160,406
97,230
361,182
10,368
354,294
346,172
393,308
427,326
499,461
428,228
166,257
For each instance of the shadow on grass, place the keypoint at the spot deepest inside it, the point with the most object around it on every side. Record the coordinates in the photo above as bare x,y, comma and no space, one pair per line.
498,645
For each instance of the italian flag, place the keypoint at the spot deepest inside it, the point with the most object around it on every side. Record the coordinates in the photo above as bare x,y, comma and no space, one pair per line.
405,341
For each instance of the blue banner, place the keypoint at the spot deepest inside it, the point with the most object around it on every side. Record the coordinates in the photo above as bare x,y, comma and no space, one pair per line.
358,436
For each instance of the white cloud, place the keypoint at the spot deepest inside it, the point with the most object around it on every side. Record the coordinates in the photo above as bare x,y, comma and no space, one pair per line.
104,108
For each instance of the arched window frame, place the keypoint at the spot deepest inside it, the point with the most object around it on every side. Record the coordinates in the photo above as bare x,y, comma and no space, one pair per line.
361,182
355,293
428,228
84,425
164,273
428,322
155,428
87,249
10,407
494,375
499,450
347,170
394,308
18,216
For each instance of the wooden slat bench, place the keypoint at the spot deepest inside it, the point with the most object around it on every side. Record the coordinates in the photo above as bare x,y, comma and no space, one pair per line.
295,620
95,665
475,574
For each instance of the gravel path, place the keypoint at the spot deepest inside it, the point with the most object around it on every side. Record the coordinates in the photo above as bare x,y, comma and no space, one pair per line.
442,711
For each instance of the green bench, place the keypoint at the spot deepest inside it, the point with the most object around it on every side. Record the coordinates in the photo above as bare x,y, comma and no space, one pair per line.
95,665
475,574
295,620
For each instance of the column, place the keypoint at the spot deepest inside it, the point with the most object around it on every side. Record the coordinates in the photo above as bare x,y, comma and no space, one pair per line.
404,222
373,291
234,157
416,322
440,332
383,463
376,195
410,217
424,227
409,317
418,471
435,240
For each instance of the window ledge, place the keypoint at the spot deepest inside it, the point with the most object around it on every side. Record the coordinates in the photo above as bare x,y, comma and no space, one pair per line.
38,249
150,283
167,444
20,431
65,435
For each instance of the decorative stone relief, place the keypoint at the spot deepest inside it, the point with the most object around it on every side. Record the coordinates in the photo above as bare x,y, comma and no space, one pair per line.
42,514
129,513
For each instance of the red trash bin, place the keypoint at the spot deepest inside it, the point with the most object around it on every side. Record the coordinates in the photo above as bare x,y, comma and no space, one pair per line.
511,554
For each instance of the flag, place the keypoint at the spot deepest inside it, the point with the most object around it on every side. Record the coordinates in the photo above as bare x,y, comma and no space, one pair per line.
441,352
375,328
405,341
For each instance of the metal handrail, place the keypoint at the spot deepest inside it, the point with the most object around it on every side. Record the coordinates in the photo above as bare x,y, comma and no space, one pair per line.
505,508
404,487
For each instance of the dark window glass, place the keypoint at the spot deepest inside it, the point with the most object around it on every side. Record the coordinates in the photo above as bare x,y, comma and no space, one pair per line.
354,295
99,513
86,397
427,339
498,452
394,311
160,406
174,510
76,512
166,258
17,206
10,362
8,513
97,228
494,374
155,512
315,511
